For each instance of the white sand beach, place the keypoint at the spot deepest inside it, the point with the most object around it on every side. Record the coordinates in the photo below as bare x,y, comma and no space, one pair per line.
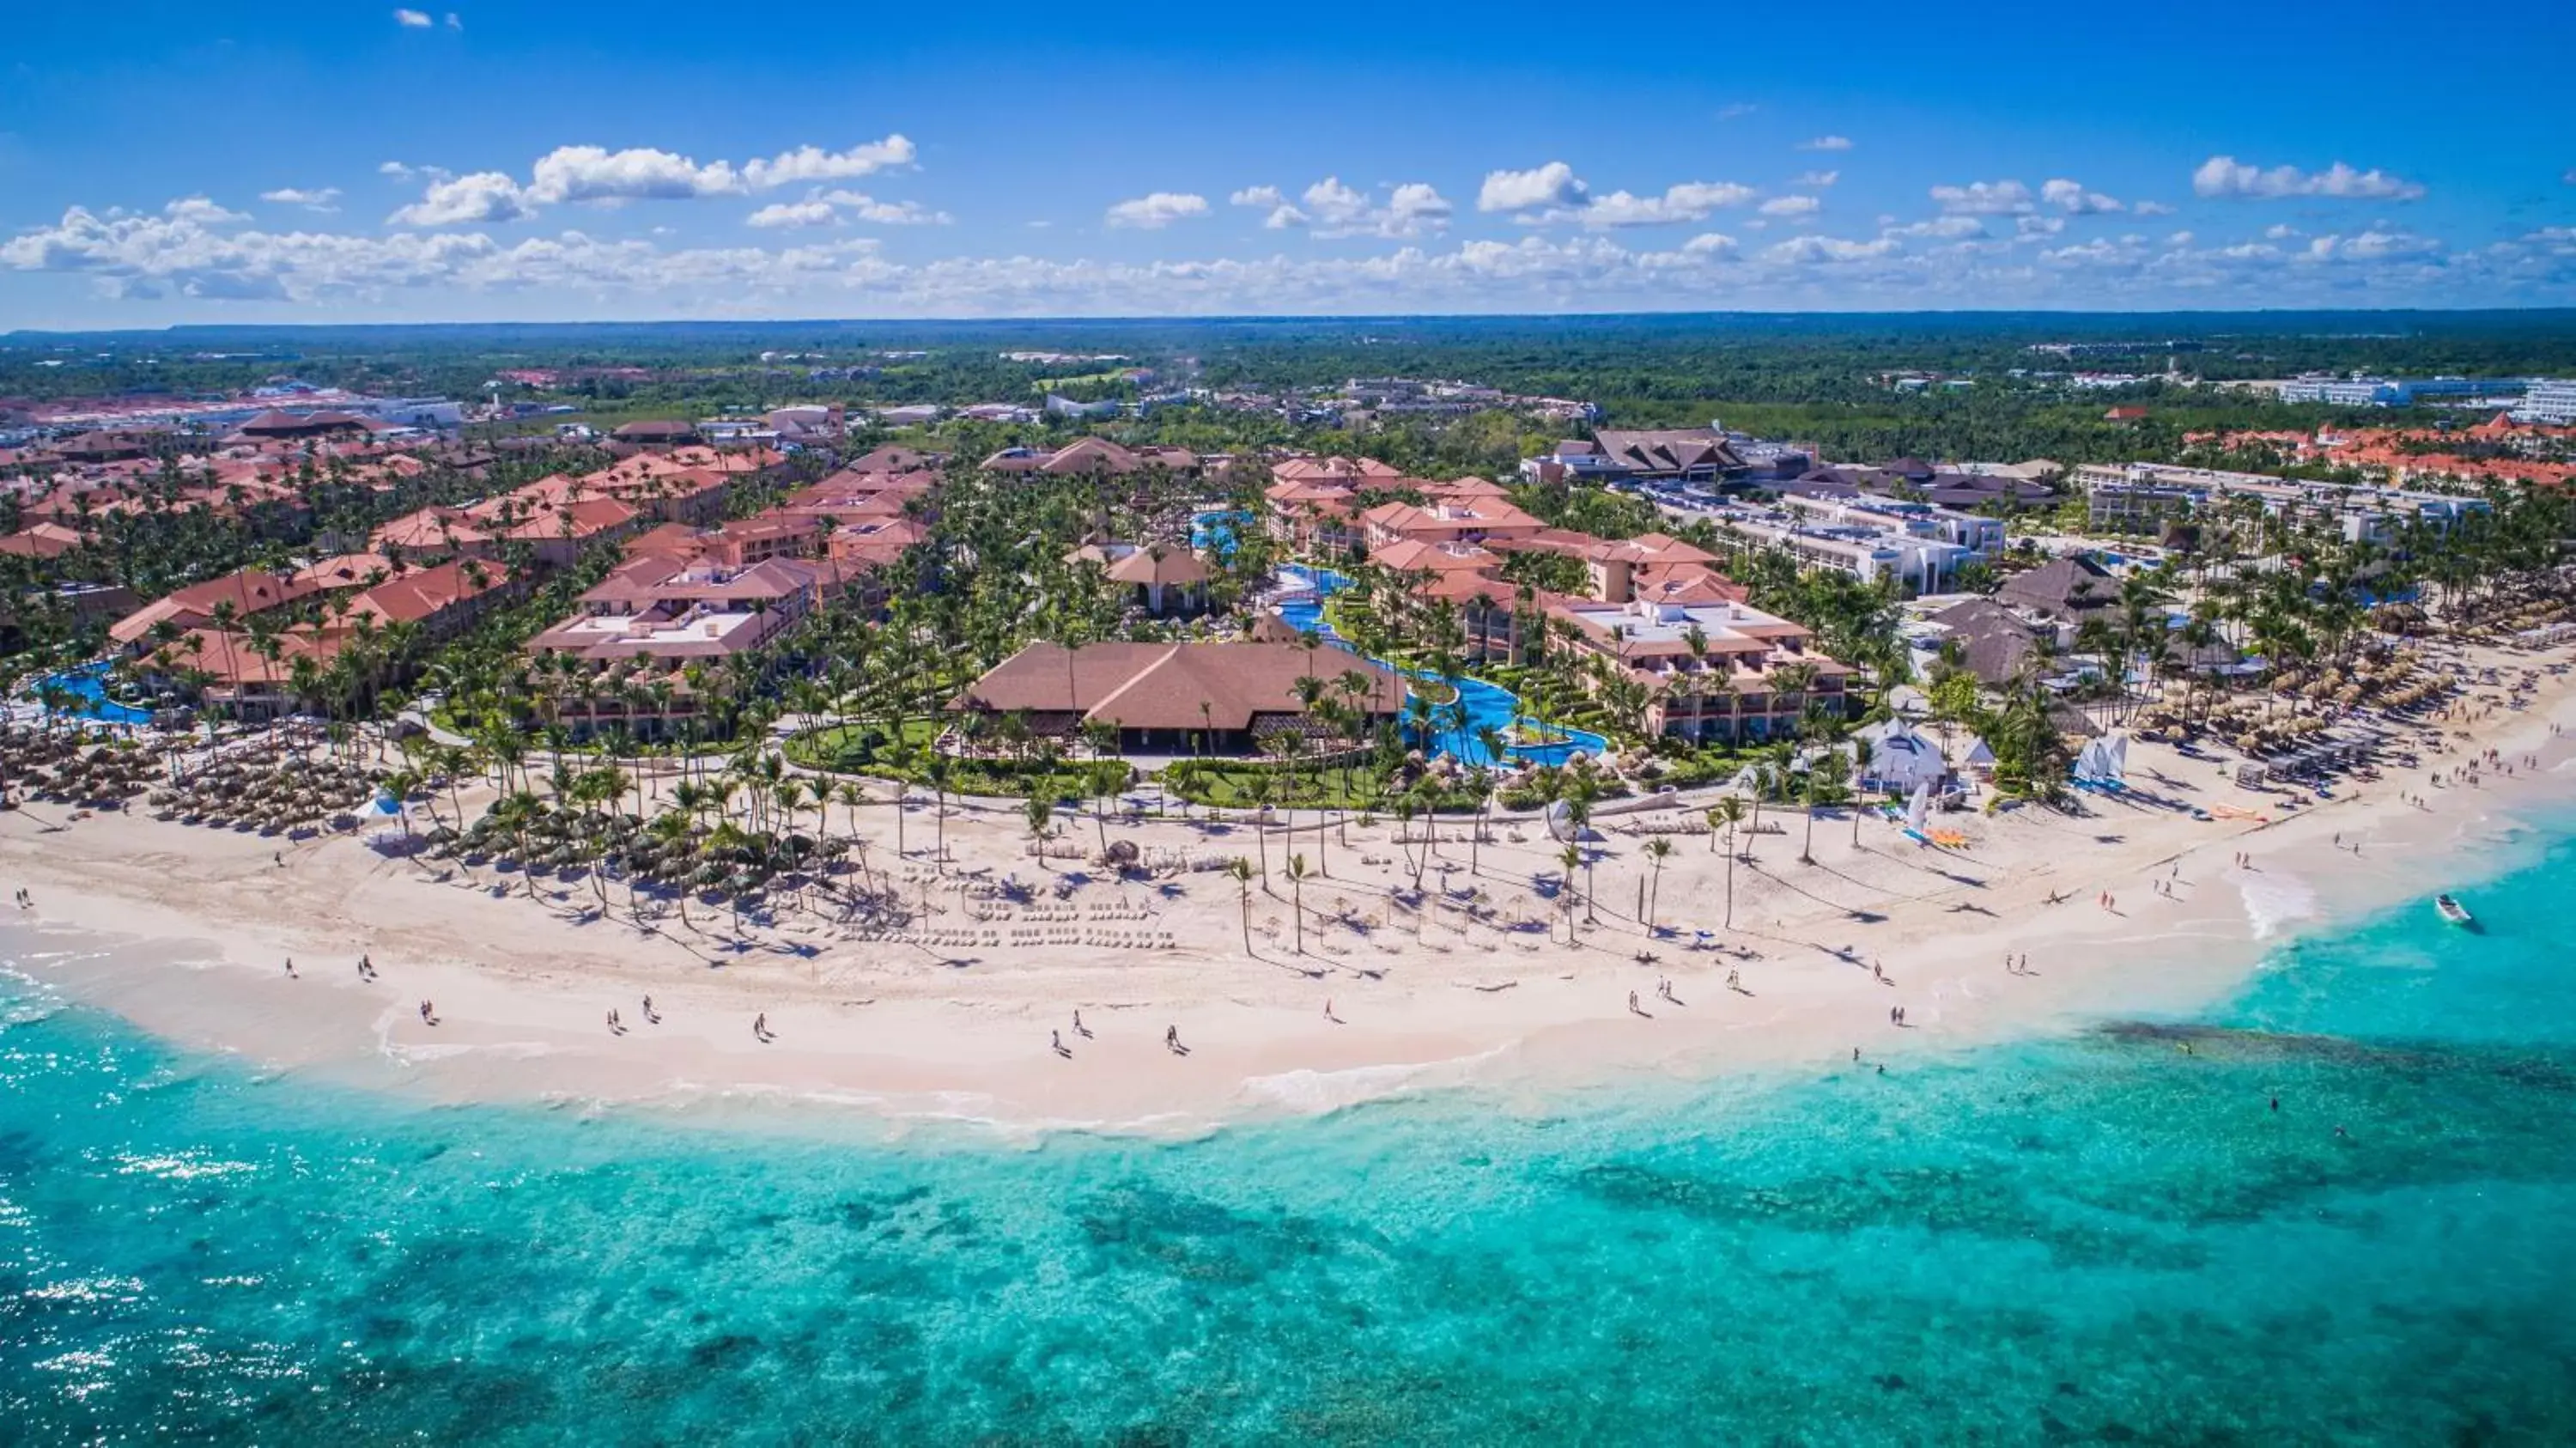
185,930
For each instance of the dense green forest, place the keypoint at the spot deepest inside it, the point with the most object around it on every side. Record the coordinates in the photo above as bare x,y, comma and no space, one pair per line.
1820,379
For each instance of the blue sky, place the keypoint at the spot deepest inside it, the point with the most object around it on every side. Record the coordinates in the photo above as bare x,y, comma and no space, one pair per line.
164,163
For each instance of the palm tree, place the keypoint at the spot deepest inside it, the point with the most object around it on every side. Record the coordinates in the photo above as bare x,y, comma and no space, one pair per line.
1728,812
938,767
1239,870
1658,850
1572,858
1297,906
1040,813
1265,788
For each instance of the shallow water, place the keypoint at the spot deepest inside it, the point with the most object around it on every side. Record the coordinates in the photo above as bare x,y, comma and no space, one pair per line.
2108,1239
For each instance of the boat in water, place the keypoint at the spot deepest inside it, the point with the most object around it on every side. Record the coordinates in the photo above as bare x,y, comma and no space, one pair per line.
2453,911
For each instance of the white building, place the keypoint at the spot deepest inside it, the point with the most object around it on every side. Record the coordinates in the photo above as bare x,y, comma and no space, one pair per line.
2551,401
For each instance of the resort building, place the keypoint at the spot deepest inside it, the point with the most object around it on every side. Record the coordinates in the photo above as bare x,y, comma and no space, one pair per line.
234,596
1918,481
1176,698
255,675
2550,402
2128,496
675,611
1162,581
1448,517
1723,672
42,540
1094,455
1668,455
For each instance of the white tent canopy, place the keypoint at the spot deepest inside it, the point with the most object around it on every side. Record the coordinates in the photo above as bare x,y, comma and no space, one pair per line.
1900,757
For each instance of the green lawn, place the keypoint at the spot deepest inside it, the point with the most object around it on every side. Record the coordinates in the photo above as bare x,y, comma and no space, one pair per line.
1230,785
864,749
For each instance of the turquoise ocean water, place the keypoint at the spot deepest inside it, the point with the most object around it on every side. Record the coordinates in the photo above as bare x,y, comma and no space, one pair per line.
2108,1239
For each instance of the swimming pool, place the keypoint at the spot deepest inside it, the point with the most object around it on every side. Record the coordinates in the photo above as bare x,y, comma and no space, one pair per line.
1488,706
1215,531
88,685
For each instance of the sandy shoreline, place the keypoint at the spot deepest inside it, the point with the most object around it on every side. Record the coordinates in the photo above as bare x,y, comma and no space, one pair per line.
184,930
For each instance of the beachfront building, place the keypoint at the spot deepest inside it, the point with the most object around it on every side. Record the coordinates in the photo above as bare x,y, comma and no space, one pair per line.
1716,672
675,610
262,672
233,597
1224,698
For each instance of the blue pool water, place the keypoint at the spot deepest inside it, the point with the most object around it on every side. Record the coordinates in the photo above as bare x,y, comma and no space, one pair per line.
1216,530
2096,1240
1489,706
89,686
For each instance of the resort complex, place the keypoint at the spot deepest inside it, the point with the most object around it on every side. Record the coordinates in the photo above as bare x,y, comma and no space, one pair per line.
908,734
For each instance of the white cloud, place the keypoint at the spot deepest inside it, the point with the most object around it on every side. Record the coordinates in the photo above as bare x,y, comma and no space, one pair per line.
1984,198
1815,250
1553,185
1818,179
201,211
189,259
2225,176
599,176
482,198
1736,110
1791,206
862,207
1416,203
2282,232
454,22
1541,193
2071,198
1335,209
1826,143
813,163
320,198
1334,204
1155,211
400,172
2372,245
412,19
1944,228
2150,208
639,173
2034,227
793,215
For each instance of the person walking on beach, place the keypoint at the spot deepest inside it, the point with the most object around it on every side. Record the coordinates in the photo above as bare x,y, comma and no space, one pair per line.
428,1012
290,968
760,1026
650,1019
1055,1043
